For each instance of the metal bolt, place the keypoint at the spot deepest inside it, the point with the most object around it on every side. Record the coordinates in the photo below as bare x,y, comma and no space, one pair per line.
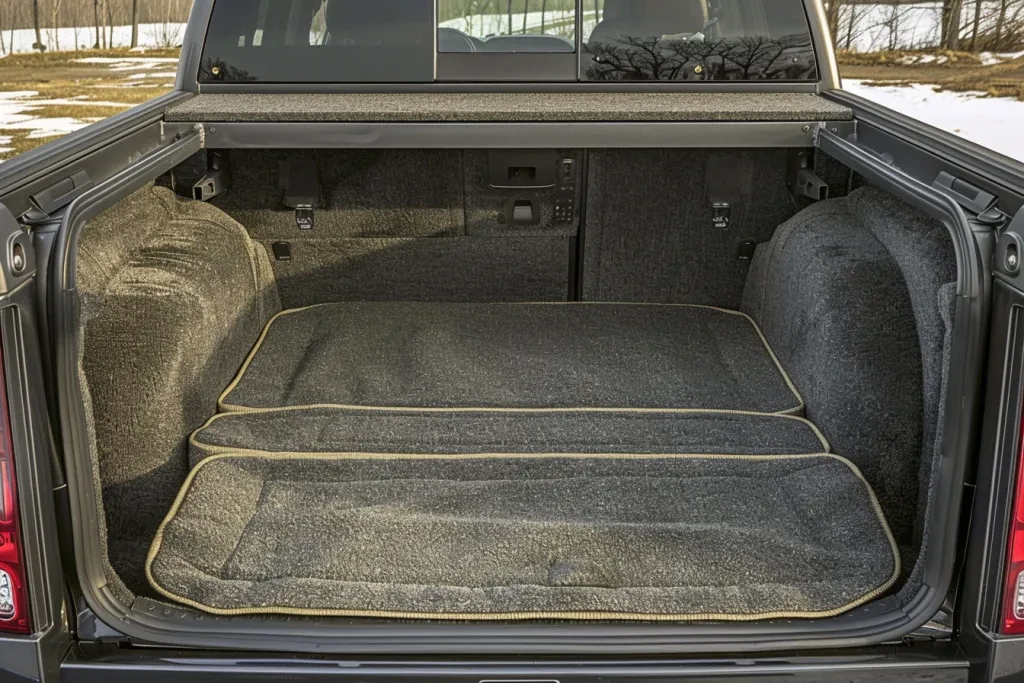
698,69
1011,261
806,129
835,129
215,71
796,59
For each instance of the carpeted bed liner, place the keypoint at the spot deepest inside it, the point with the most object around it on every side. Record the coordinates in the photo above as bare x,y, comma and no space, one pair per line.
543,357
655,537
337,430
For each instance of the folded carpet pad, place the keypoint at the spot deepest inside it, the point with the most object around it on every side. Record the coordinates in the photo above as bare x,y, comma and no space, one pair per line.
524,537
340,430
442,356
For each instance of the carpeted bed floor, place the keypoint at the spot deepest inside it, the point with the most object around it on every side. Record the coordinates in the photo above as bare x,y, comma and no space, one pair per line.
339,430
513,356
518,536
517,461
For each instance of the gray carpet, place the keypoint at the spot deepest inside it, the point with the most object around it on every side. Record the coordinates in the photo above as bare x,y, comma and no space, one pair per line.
339,430
522,356
649,234
519,537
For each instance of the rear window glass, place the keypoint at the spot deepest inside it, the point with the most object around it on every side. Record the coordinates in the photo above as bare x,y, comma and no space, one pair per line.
506,26
397,41
707,40
320,41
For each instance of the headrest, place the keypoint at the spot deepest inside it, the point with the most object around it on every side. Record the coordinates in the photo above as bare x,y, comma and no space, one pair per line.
652,17
374,20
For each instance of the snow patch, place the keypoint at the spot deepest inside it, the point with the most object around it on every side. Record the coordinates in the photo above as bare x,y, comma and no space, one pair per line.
65,39
992,122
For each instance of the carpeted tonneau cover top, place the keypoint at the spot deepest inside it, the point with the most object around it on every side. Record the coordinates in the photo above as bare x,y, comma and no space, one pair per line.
525,536
336,430
513,356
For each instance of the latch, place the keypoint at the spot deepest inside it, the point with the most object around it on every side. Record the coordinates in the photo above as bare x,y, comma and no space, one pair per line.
48,201
216,179
721,213
971,197
302,191
802,180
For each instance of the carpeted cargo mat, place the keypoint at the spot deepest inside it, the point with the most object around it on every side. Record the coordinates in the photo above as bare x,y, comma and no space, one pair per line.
441,356
341,430
525,536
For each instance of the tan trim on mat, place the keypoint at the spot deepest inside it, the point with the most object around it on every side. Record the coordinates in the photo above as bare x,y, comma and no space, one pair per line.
580,616
224,406
193,439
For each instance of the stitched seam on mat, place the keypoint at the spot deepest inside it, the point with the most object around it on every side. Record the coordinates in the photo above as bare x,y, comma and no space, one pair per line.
799,408
193,438
486,616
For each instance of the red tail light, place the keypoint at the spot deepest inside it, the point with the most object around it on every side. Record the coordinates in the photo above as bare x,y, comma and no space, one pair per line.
13,591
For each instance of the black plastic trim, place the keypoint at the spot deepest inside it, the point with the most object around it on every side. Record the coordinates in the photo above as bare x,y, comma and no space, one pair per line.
939,663
36,164
938,149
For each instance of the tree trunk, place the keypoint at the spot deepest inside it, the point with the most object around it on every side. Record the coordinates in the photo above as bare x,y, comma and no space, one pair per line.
526,11
832,16
951,11
56,23
110,22
96,20
35,21
848,43
3,47
1000,25
543,14
134,24
975,25
510,17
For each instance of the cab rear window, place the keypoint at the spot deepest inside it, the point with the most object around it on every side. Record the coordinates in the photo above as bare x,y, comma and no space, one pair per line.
423,41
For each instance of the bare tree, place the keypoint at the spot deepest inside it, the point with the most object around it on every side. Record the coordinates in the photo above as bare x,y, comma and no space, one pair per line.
134,24
950,27
38,45
832,10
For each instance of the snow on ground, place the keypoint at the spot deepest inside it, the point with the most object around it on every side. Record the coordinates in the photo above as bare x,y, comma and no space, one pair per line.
16,115
150,35
993,122
130,63
993,58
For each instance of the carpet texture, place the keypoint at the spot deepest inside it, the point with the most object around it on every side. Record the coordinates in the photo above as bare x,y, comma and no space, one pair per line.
432,269
522,356
649,234
400,225
339,430
519,537
534,106
847,292
172,294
